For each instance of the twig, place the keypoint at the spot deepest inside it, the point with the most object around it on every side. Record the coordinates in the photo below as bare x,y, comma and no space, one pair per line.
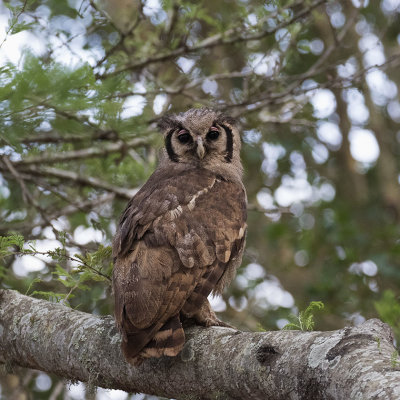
88,205
54,137
193,83
228,37
122,35
26,195
258,208
14,23
79,179
64,256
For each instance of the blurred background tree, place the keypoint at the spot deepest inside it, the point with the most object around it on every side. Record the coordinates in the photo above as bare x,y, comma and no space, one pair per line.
315,86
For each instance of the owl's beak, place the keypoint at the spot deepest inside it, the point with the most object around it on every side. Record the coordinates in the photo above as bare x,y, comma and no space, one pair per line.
200,150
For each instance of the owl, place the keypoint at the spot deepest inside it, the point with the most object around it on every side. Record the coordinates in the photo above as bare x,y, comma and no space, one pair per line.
181,237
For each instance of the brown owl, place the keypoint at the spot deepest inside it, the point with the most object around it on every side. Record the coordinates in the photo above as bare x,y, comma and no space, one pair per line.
181,236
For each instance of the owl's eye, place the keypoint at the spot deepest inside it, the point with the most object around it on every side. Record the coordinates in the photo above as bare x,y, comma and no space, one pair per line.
184,137
213,134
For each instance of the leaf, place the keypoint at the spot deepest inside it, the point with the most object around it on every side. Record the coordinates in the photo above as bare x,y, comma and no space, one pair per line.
8,241
305,320
31,284
388,308
21,26
291,326
50,295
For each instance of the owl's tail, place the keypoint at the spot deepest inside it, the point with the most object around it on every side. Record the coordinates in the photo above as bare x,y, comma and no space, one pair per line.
167,340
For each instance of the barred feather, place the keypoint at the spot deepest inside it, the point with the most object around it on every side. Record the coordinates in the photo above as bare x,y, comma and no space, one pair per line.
180,238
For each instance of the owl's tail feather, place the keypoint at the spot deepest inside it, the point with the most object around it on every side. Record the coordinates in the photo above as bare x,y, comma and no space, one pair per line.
167,341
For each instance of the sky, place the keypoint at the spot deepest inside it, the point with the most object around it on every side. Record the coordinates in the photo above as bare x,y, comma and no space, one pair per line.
295,189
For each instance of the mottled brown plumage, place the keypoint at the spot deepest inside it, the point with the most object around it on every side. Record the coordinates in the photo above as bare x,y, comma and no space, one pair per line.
181,236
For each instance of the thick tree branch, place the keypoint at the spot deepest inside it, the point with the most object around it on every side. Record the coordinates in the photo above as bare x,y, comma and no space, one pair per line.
352,363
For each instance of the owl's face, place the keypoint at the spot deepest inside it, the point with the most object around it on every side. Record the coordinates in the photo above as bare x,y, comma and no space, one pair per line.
202,137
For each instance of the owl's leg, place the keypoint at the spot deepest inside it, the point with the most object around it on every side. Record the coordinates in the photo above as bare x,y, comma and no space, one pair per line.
205,316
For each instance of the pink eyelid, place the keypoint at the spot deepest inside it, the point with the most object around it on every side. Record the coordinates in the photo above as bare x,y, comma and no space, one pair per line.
182,131
213,128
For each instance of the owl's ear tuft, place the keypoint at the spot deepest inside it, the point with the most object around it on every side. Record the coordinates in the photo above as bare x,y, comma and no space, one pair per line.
166,123
224,119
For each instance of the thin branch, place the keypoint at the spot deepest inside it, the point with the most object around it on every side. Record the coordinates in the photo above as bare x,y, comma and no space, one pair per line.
254,105
189,85
65,257
258,208
26,195
15,21
83,206
122,35
335,44
230,36
76,178
90,152
55,137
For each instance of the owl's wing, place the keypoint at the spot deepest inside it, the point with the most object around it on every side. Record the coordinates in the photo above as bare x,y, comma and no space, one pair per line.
172,235
165,192
222,211
149,291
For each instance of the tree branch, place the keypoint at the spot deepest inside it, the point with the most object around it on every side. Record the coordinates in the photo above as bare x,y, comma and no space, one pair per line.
230,36
351,363
56,137
85,153
75,178
83,205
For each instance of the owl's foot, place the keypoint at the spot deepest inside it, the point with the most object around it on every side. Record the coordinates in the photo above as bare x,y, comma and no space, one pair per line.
205,316
221,323
214,322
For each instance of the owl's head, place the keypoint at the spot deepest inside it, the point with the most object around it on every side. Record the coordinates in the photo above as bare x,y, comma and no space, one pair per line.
202,137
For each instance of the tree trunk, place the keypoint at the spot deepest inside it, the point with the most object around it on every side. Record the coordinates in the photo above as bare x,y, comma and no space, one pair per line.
216,363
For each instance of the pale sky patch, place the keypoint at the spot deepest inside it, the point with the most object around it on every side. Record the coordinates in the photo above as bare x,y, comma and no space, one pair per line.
363,145
133,106
324,103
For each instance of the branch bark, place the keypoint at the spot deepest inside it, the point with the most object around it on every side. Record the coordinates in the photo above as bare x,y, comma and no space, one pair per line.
223,363
85,153
72,177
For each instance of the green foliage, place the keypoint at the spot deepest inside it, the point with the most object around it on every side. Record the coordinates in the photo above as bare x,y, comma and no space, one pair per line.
14,25
394,359
388,308
378,343
305,320
7,243
93,266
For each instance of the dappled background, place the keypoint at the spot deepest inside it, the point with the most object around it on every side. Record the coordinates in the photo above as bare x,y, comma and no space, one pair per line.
315,87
